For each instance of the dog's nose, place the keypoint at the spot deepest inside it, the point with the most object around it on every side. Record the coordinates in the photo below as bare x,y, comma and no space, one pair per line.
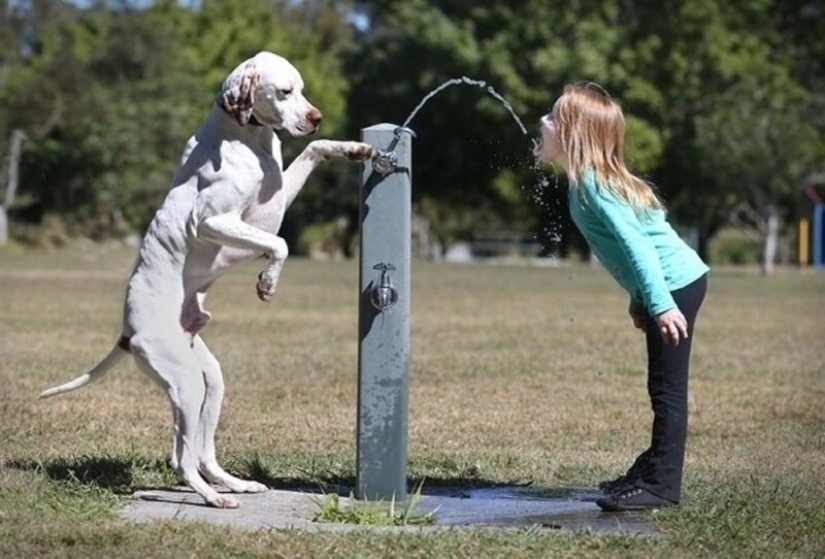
315,117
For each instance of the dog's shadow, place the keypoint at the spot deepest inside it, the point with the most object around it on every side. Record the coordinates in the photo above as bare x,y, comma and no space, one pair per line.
125,475
113,474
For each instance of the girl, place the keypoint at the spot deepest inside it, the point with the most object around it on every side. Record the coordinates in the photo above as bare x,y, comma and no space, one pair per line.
625,226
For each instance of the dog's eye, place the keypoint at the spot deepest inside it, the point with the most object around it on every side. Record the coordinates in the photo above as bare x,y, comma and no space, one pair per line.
285,92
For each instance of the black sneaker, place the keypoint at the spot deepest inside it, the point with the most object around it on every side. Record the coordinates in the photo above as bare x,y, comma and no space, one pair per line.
633,499
629,479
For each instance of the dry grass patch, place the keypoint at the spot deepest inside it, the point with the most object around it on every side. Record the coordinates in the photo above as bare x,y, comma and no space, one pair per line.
519,374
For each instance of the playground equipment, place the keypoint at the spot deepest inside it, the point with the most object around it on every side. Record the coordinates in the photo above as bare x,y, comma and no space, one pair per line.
811,232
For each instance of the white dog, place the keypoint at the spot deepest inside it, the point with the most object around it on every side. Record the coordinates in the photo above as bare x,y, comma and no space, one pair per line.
225,208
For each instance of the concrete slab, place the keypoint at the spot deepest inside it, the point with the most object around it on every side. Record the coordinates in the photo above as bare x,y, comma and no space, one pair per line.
275,509
499,507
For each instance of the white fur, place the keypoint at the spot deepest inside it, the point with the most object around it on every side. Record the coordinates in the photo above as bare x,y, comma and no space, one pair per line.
225,208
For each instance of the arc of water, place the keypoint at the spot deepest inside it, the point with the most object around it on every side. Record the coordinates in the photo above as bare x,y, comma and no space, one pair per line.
468,81
537,195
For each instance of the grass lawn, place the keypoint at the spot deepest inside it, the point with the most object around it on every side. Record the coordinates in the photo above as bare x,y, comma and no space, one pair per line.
518,375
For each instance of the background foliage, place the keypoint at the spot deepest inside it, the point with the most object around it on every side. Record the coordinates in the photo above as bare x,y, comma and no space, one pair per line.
724,101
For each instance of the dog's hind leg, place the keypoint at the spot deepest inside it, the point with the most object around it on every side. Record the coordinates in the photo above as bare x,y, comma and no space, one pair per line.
208,424
168,358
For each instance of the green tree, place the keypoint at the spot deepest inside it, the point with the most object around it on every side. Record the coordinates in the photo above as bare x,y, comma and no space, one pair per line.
473,165
723,100
731,96
128,108
759,144
116,91
681,70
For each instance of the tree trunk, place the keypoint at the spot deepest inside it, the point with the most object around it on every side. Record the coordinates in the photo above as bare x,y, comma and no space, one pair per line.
4,227
771,240
16,145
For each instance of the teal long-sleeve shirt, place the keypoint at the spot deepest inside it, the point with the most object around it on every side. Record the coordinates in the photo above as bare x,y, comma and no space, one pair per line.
642,252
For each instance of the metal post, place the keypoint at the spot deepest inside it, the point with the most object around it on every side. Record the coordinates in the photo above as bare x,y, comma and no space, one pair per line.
384,319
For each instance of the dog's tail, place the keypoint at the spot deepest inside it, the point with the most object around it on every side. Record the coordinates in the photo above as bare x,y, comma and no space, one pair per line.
118,352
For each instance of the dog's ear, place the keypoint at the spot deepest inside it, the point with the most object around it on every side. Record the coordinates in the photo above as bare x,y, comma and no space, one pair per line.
238,92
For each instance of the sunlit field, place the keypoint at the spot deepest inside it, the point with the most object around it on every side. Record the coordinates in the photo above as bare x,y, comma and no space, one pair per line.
519,374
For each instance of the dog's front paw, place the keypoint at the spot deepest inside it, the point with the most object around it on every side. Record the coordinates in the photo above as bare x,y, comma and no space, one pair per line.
266,286
358,151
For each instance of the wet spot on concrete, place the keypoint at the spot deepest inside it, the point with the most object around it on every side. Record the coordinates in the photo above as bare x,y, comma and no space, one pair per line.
525,506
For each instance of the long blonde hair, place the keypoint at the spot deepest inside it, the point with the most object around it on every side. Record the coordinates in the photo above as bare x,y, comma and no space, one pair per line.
591,130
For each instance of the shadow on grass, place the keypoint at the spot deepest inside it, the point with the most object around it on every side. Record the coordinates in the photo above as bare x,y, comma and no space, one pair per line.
460,486
345,483
115,474
126,475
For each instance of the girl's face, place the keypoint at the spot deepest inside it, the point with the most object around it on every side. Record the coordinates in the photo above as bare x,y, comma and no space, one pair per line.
548,150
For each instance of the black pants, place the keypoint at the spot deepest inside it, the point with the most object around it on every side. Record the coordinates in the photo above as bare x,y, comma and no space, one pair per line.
667,385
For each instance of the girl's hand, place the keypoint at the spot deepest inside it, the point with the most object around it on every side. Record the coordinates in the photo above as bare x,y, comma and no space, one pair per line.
673,326
639,317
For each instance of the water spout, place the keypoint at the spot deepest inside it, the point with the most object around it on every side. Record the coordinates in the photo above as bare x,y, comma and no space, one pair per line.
385,161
